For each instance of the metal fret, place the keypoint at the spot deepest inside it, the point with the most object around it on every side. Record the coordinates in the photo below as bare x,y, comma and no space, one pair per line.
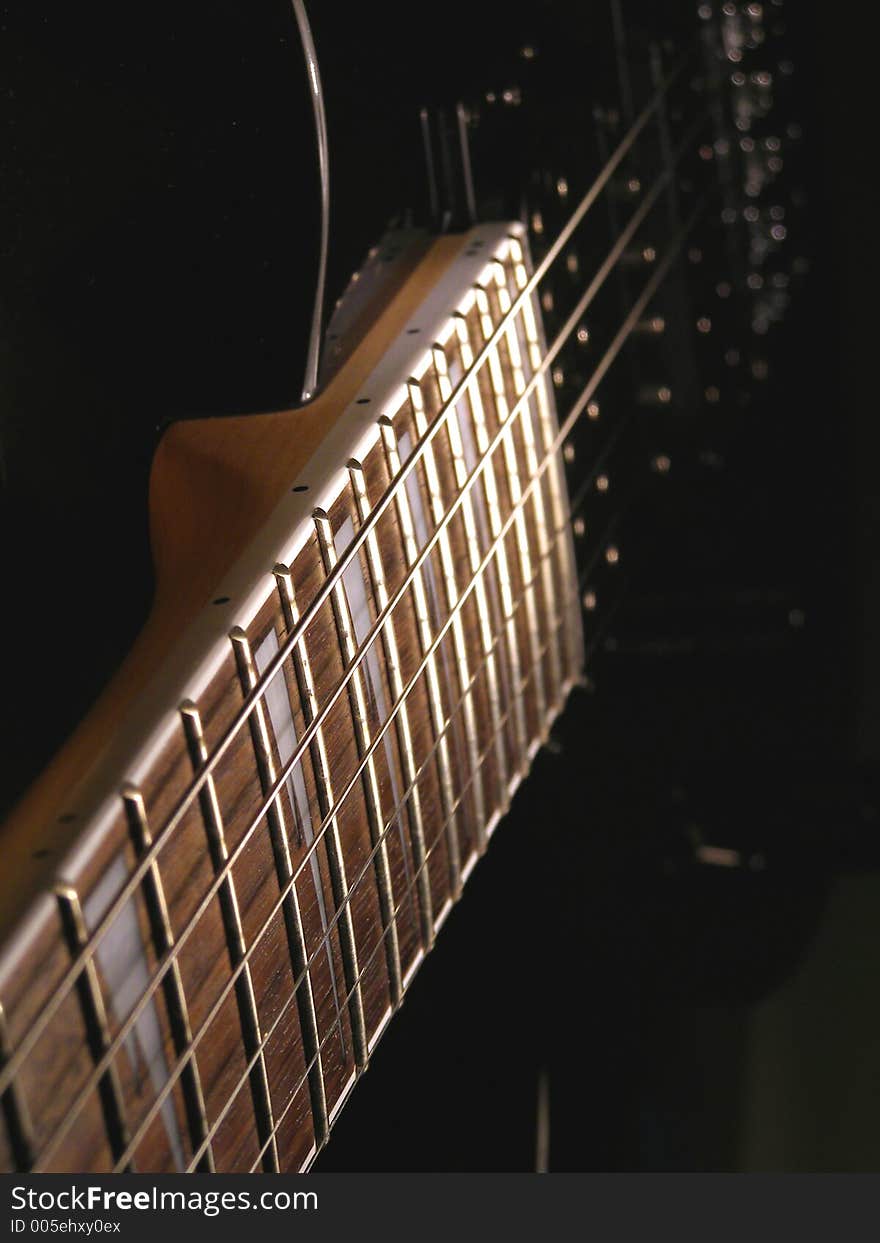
636,311
458,638
426,638
387,828
441,367
263,929
172,982
515,485
496,522
335,857
531,456
564,429
484,754
235,942
402,727
137,879
15,1110
372,800
226,739
293,924
573,636
94,1013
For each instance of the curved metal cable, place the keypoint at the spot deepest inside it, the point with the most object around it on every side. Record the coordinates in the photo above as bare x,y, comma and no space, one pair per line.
313,357
563,431
70,977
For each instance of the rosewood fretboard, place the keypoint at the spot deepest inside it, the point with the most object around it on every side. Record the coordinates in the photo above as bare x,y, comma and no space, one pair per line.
254,887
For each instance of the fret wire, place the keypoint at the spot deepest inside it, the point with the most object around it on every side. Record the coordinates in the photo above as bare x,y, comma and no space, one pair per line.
426,640
589,650
447,571
337,915
388,827
637,309
447,562
514,485
590,647
350,553
369,778
635,312
292,915
332,844
519,690
172,984
496,523
583,579
162,967
259,728
360,610
528,436
69,980
564,430
227,895
404,734
477,418
441,367
15,1111
94,1013
556,481
389,824
480,468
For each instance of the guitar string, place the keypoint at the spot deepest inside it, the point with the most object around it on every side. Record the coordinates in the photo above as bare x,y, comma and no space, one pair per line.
597,637
72,974
563,430
576,410
458,391
437,843
320,949
348,556
659,275
446,627
164,964
383,617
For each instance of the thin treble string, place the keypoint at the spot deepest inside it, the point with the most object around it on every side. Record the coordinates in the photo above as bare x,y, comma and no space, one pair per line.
586,394
436,844
655,281
459,390
68,981
638,308
365,869
333,813
506,526
595,638
164,964
590,647
611,353
564,430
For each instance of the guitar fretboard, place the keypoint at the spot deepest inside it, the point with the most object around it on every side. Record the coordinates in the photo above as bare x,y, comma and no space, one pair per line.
240,933
266,853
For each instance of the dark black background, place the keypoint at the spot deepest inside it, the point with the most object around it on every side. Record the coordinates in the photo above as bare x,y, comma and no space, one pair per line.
157,250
